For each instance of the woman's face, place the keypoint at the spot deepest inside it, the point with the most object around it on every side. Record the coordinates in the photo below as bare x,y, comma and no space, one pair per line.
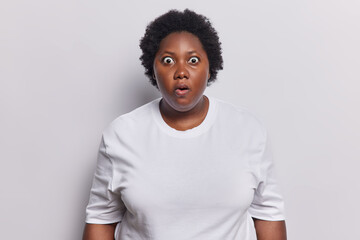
181,70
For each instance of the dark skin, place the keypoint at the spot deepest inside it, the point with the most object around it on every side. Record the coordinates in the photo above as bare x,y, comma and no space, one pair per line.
270,230
182,61
181,70
99,231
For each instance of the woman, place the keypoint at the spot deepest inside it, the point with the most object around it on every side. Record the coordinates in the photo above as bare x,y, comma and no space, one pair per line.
185,166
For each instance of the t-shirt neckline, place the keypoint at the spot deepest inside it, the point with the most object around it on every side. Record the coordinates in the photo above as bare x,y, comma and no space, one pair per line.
193,132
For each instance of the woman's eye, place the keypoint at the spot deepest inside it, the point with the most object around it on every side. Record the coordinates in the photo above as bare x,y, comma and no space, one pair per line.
168,60
194,60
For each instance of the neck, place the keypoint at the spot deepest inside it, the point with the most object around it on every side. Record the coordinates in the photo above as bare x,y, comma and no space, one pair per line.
185,120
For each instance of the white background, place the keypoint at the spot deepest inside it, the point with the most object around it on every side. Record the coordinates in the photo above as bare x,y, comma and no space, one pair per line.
68,68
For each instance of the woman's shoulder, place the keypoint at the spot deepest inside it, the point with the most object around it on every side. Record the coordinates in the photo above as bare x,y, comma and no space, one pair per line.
134,119
238,115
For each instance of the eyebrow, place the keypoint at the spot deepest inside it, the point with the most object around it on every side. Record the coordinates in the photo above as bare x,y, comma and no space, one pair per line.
193,51
172,53
168,52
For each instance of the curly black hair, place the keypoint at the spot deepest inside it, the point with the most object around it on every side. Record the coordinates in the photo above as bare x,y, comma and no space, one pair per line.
176,21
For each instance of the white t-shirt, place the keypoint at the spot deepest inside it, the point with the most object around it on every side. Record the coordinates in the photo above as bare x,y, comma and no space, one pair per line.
205,183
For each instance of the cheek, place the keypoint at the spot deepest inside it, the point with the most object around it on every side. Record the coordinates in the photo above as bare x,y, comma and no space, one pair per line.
202,77
164,82
161,70
160,76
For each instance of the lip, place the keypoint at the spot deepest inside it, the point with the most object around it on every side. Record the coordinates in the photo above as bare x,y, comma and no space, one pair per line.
181,89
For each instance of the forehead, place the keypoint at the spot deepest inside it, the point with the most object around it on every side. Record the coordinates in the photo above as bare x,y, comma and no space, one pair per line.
181,41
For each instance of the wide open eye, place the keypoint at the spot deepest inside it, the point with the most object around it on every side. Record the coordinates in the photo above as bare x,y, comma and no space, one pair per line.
168,60
194,60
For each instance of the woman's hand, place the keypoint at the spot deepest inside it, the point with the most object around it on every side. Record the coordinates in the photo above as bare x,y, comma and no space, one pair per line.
270,230
99,231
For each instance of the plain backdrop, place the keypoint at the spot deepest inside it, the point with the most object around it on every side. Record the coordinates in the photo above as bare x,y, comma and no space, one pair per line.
68,68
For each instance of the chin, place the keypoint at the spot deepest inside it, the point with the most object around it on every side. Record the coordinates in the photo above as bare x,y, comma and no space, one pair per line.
183,105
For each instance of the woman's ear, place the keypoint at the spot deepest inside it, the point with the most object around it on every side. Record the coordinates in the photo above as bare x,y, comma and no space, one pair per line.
208,75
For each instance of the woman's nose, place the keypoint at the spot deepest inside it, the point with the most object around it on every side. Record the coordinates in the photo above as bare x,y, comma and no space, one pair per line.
181,72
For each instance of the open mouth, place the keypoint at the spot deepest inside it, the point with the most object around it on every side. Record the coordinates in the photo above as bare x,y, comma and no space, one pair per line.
182,90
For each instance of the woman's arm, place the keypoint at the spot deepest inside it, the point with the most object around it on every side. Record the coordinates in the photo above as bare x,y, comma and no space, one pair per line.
270,230
99,231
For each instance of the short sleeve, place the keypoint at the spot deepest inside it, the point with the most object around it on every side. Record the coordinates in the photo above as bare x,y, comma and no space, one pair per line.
105,206
268,203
